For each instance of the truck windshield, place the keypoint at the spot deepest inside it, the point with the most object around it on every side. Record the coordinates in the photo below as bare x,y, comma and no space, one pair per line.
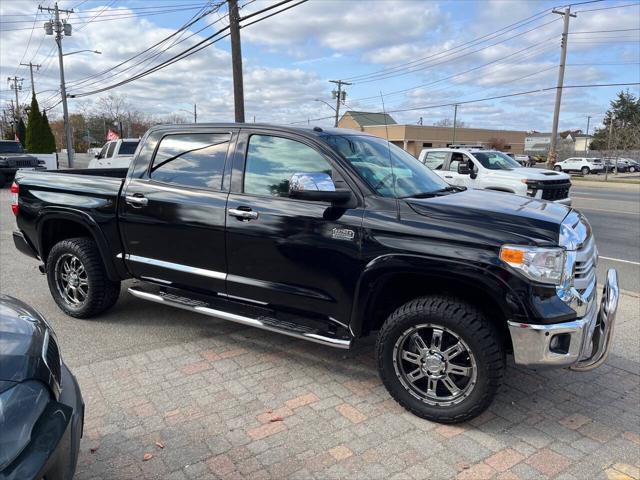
496,160
10,147
387,169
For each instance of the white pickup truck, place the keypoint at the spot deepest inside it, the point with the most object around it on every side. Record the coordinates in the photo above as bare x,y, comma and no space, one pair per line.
115,154
493,170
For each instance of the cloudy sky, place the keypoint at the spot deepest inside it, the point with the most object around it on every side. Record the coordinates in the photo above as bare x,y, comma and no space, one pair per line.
418,54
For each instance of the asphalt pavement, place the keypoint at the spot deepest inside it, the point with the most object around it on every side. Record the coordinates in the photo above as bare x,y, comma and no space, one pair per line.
614,214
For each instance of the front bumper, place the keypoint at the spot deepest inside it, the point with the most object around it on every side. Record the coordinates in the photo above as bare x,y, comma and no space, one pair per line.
581,344
52,453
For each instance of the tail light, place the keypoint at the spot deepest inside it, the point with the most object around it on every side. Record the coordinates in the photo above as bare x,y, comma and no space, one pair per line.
14,198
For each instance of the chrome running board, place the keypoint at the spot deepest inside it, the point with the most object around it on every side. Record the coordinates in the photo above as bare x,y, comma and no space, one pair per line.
264,323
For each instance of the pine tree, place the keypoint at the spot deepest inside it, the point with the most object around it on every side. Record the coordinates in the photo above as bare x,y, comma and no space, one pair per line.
34,140
21,132
49,139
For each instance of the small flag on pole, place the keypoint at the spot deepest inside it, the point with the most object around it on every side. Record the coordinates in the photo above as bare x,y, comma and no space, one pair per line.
111,135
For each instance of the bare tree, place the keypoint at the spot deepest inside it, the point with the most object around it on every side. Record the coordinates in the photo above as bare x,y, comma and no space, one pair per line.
497,143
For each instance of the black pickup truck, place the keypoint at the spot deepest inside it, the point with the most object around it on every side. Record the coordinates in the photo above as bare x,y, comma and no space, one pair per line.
329,235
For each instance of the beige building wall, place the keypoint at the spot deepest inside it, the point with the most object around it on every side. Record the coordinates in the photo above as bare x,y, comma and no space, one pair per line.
413,138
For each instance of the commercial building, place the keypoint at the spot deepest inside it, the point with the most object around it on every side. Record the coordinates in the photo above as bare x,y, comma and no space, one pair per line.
571,141
413,138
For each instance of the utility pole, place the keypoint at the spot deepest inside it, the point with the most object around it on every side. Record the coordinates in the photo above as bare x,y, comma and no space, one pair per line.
61,29
566,14
340,95
195,113
586,140
31,65
455,120
236,60
15,83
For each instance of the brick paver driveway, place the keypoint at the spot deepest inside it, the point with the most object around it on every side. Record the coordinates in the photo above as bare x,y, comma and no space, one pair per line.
243,403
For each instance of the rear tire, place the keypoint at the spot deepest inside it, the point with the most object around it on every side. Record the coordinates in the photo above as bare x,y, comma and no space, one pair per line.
632,169
452,371
3,179
78,280
585,170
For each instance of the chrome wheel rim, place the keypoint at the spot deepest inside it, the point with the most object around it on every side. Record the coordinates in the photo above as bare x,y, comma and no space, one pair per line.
71,280
435,365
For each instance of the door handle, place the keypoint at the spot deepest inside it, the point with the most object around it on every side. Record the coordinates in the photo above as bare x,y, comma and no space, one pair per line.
448,176
136,200
242,214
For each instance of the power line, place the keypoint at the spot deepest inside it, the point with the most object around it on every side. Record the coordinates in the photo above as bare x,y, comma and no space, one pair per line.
110,71
208,41
460,73
608,8
606,31
391,75
489,36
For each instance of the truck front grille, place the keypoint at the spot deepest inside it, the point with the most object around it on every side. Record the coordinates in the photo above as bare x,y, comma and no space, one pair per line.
555,189
25,163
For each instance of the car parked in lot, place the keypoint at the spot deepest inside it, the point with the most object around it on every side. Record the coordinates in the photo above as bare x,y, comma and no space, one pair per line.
115,154
41,407
580,164
329,235
523,160
493,170
12,158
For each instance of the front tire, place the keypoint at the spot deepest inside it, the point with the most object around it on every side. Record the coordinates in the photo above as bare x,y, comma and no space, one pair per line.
3,179
585,170
440,358
77,279
557,168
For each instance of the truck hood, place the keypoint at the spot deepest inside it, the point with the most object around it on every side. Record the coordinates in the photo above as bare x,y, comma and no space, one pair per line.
496,217
22,333
527,174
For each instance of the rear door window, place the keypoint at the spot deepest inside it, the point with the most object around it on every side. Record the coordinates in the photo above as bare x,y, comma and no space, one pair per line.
435,160
191,160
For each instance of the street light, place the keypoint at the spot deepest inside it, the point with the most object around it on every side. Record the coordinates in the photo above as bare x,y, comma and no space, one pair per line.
327,104
80,51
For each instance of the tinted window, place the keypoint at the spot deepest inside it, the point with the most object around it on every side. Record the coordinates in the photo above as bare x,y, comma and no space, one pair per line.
272,160
192,160
112,147
103,152
389,170
434,160
10,147
127,148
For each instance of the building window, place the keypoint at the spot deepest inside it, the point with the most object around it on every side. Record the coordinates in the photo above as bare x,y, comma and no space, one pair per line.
427,144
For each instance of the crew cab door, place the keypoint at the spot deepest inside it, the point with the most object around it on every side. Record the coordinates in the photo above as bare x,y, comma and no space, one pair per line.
173,213
450,171
297,256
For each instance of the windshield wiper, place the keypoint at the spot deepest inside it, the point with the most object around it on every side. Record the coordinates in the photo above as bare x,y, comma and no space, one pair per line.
435,193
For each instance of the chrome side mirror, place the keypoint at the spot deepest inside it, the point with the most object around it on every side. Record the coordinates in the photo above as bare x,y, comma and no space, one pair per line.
316,186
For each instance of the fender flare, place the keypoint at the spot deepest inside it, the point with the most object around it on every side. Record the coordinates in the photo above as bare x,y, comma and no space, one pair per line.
114,272
481,278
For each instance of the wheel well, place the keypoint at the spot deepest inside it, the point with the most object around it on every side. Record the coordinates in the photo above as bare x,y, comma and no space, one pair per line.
56,230
393,291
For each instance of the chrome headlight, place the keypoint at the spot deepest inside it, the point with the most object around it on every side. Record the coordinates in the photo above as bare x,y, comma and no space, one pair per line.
20,408
543,265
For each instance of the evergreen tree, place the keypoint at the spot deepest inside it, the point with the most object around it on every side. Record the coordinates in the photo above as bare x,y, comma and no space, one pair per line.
49,140
34,140
624,119
21,132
